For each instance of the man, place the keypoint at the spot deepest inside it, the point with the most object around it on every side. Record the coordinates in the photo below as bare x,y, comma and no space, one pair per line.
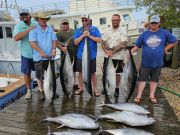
43,41
114,40
93,36
65,36
21,33
153,43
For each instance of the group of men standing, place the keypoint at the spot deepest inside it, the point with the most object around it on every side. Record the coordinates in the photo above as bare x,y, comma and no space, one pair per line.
38,43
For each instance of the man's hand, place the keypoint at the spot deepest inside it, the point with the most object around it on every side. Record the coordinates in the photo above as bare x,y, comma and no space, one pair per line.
64,49
86,33
43,55
53,53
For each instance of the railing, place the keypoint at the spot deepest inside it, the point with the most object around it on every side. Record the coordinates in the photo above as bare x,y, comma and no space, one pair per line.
79,6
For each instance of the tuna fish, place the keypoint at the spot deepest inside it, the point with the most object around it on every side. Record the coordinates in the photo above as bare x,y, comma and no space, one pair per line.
131,107
126,131
71,132
67,75
86,68
128,118
48,84
75,121
128,78
109,78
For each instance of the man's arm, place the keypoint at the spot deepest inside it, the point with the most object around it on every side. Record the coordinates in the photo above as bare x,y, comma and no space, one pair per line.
35,47
169,46
21,35
54,45
119,47
78,40
134,49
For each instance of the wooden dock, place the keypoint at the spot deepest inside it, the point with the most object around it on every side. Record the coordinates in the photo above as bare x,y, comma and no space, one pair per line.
25,117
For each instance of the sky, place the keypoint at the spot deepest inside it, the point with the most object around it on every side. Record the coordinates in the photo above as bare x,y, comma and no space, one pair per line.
139,15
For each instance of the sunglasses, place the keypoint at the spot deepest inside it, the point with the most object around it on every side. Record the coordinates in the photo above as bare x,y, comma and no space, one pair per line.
154,22
85,20
65,23
24,14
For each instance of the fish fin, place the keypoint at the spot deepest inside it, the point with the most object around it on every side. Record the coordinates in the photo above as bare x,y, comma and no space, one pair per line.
61,126
92,116
102,104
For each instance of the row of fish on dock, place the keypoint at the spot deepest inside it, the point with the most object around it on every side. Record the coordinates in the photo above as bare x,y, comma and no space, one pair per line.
130,114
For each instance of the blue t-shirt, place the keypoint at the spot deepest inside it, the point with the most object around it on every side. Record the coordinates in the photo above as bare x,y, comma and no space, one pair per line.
25,47
44,40
153,44
92,44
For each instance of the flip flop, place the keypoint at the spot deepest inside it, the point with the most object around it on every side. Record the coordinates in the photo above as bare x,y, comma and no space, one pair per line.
78,92
137,100
97,94
153,100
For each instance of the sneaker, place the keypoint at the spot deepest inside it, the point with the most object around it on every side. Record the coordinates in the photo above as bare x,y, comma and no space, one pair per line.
41,95
28,94
116,93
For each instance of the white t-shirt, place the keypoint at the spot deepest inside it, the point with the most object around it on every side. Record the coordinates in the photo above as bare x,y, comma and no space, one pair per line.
113,37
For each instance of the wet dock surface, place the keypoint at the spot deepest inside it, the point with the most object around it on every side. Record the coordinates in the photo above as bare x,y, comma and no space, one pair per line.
25,117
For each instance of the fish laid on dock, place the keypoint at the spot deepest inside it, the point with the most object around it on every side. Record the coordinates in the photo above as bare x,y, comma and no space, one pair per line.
75,121
131,107
128,118
109,78
71,132
128,78
126,131
48,84
86,68
67,75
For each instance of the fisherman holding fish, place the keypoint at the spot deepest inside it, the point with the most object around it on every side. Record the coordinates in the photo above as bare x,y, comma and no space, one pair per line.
21,33
114,42
153,43
92,36
43,41
66,43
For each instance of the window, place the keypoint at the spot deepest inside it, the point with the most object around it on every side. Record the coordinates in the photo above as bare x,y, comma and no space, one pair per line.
126,17
1,33
8,32
102,20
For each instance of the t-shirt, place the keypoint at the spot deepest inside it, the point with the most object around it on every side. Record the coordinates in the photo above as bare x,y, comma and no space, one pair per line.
92,44
63,37
153,44
44,40
113,37
26,49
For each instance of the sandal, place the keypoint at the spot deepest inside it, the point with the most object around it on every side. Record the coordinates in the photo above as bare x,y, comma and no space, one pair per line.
78,92
137,100
153,100
97,94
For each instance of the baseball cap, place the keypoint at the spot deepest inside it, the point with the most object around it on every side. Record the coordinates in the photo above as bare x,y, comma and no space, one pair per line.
155,18
84,16
24,11
64,21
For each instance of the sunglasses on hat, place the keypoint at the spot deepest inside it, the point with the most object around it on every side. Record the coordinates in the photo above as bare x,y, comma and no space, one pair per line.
154,22
24,14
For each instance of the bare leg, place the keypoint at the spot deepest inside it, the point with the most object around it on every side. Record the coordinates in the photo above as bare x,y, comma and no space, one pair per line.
80,81
153,86
27,79
141,87
40,85
93,78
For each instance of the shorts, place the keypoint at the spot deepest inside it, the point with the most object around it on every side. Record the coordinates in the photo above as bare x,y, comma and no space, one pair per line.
27,65
119,64
149,74
41,66
78,65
